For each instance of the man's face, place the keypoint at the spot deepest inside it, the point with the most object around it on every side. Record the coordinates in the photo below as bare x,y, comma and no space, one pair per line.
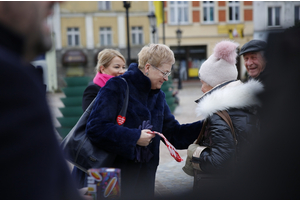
40,38
29,19
254,63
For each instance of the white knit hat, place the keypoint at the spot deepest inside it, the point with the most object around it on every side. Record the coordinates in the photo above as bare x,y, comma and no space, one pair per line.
220,66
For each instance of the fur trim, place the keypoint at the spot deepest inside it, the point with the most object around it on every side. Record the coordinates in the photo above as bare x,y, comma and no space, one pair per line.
226,50
234,95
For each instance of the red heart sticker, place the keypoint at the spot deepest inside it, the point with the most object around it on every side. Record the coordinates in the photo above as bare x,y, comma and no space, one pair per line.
120,120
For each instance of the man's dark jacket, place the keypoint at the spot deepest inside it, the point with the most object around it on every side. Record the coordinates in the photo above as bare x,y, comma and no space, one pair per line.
32,166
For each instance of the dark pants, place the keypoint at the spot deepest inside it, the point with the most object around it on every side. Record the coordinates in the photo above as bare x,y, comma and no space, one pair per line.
204,181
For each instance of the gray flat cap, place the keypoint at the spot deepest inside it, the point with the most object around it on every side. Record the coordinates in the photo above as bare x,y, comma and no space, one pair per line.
253,46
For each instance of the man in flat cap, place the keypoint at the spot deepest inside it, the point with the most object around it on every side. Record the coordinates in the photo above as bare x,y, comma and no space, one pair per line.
255,62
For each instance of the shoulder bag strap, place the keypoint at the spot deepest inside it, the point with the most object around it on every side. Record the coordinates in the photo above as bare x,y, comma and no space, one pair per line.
225,116
201,132
121,117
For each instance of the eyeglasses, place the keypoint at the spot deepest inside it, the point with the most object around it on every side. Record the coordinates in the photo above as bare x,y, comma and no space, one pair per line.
165,74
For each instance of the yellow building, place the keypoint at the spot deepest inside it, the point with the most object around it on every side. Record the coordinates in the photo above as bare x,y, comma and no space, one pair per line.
95,25
203,24
90,26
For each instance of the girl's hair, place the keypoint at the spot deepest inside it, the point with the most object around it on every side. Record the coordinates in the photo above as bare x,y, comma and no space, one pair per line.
156,55
105,57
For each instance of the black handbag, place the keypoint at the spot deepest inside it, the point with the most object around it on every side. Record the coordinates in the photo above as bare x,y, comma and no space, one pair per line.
80,151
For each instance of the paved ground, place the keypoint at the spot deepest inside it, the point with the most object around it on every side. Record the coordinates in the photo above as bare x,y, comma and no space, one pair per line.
170,179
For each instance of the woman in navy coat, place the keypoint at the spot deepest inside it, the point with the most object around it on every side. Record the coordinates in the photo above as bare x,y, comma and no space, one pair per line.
135,144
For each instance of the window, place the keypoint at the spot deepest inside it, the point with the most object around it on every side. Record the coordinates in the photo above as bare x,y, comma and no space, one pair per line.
103,5
179,12
73,36
297,14
208,11
105,36
234,11
274,16
137,35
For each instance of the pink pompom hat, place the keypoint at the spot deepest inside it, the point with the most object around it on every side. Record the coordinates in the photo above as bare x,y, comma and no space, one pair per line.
220,66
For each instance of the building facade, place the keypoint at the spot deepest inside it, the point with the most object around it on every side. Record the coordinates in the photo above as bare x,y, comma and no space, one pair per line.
274,16
203,24
90,26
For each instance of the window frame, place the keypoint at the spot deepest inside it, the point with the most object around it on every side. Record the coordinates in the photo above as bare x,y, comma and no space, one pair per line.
208,5
179,12
73,33
104,5
273,20
297,7
137,35
105,33
234,5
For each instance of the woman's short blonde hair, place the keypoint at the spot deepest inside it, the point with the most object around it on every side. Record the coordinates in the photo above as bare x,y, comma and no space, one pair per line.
156,55
105,57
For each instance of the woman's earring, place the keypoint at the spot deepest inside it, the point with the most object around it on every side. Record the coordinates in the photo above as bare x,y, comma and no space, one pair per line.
147,74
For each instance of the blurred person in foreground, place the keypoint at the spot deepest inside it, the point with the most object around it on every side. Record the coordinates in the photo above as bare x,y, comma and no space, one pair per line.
110,63
216,152
135,143
254,58
32,163
271,169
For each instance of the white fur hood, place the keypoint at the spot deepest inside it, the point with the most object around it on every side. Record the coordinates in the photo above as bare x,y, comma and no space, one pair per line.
234,95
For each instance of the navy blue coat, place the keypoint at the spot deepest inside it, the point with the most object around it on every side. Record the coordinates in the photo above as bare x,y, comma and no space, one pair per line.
32,165
138,178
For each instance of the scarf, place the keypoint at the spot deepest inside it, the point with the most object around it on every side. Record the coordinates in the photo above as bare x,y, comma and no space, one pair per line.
101,79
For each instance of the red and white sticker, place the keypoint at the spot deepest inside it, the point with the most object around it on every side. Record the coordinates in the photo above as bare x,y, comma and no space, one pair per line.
170,147
121,120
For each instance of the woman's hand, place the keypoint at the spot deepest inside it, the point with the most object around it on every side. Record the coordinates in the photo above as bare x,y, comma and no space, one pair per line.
146,137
